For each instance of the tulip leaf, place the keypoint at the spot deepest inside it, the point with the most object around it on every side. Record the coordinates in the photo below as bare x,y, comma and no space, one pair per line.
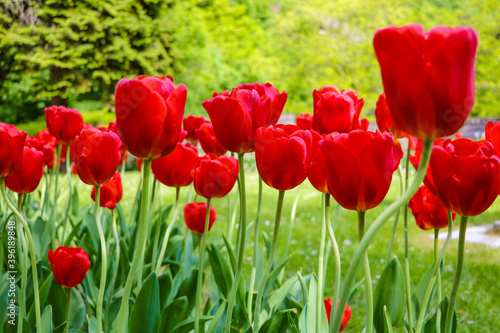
307,319
419,292
165,284
92,324
303,287
387,321
186,288
174,313
41,237
230,251
280,322
47,320
145,315
277,297
389,292
216,320
430,325
221,270
274,275
44,293
188,325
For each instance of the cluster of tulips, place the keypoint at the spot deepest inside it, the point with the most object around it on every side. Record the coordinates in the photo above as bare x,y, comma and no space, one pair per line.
429,89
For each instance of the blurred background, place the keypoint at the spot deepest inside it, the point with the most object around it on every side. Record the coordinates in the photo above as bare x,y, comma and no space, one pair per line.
74,52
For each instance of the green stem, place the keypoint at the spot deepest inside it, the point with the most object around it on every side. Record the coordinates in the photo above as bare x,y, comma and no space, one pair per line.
68,174
104,258
199,284
336,254
68,301
372,231
24,268
32,254
53,217
167,232
124,164
435,270
142,235
458,274
255,251
396,219
321,268
290,230
241,245
439,295
368,276
269,264
117,261
43,199
233,216
159,222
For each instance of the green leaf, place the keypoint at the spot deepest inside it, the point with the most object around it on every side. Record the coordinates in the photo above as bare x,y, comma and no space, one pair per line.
307,319
221,270
47,320
280,322
389,292
145,315
303,286
430,325
277,297
387,321
174,313
92,324
214,323
230,251
165,283
44,293
274,275
188,325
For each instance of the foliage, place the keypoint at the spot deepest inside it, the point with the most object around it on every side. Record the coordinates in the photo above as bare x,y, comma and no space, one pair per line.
80,49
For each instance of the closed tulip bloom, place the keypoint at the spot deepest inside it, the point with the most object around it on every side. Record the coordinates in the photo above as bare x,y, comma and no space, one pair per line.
428,78
345,317
149,113
69,265
428,210
195,216
176,169
317,171
190,124
283,155
214,177
359,167
97,155
29,173
466,175
63,123
278,100
336,110
46,137
208,140
111,192
11,148
236,115
305,121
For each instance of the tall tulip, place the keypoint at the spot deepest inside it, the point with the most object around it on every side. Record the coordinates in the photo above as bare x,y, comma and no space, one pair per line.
214,177
11,148
27,177
428,78
336,110
63,123
149,113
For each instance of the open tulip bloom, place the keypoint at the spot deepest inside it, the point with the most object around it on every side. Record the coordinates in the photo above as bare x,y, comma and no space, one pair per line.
161,284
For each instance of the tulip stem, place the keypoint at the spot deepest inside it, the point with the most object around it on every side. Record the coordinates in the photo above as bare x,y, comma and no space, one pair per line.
24,268
167,232
53,217
199,284
104,258
435,271
70,188
124,163
396,219
368,276
458,274
321,268
142,235
255,252
32,253
372,231
436,260
241,245
68,301
269,264
117,261
290,230
159,222
336,253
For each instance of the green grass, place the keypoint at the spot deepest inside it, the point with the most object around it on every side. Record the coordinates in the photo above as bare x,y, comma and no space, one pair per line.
479,294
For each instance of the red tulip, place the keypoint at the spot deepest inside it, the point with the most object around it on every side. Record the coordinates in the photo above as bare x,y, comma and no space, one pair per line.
111,192
236,115
195,216
138,162
11,148
415,161
466,175
283,155
190,124
69,265
317,171
63,123
428,210
29,173
46,138
97,155
362,124
345,317
208,140
214,177
428,77
336,110
305,121
176,169
359,167
492,132
149,113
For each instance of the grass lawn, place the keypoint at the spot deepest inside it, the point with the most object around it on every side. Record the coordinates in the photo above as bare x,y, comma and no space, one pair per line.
478,303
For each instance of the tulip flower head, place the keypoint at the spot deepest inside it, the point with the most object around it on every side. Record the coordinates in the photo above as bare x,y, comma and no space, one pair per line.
345,317
63,123
149,113
69,265
428,78
208,141
214,177
29,173
492,132
428,210
190,124
111,192
305,121
176,169
195,216
11,148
